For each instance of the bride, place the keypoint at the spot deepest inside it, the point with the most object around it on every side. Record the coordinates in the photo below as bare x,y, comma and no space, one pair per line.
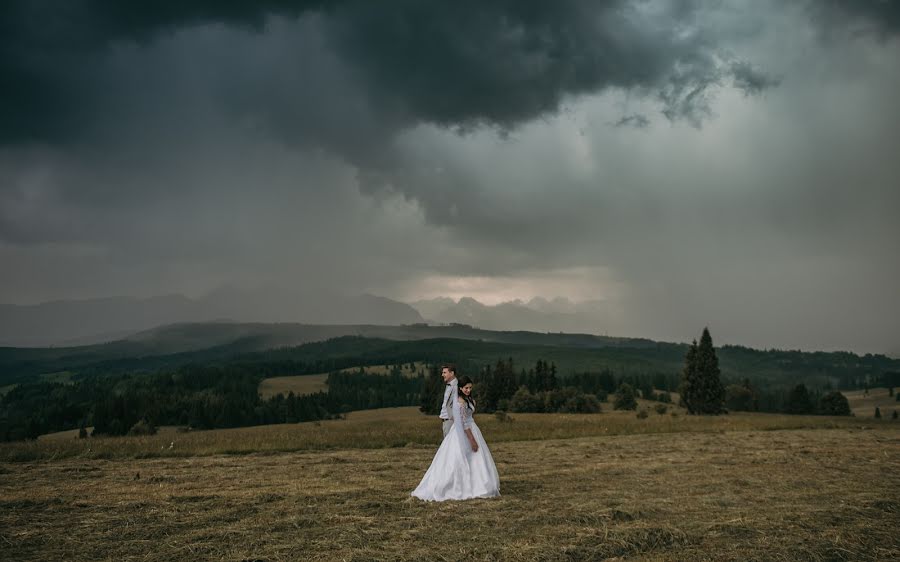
462,467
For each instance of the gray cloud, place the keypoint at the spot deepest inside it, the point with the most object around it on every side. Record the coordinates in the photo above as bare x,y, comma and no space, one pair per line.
874,16
463,65
748,182
751,80
635,120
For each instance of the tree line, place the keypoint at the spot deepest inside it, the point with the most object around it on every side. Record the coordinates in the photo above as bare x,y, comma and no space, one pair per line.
200,397
224,392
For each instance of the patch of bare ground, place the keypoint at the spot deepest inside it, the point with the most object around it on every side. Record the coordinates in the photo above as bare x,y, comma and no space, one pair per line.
825,494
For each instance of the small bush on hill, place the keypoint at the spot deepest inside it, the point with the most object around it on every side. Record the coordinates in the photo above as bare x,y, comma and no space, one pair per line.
738,398
625,398
834,404
142,427
502,416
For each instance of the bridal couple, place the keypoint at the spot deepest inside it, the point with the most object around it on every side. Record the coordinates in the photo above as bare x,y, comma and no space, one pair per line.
462,467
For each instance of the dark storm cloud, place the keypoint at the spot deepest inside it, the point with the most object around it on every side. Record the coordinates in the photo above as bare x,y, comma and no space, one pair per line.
49,85
880,16
461,64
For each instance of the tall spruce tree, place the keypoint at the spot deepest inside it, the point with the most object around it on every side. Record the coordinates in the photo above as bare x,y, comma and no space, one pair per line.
701,386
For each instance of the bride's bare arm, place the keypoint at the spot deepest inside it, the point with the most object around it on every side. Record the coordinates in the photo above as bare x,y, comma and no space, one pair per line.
472,441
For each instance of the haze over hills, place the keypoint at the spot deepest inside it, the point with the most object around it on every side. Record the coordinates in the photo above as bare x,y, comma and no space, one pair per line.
231,314
83,322
538,314
90,321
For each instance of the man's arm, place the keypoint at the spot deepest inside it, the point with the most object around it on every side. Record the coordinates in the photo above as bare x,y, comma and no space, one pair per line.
445,414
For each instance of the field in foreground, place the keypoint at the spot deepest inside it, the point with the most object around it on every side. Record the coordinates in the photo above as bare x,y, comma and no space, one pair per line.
707,493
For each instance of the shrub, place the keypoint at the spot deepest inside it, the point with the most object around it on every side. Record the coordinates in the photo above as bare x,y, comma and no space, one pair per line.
625,398
877,413
142,427
525,401
661,409
502,416
894,415
581,404
664,397
738,398
642,415
834,404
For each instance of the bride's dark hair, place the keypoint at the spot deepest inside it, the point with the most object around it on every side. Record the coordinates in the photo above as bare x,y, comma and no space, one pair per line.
463,382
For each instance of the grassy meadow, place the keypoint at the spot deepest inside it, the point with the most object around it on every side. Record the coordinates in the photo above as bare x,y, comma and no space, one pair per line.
298,384
310,384
863,403
574,487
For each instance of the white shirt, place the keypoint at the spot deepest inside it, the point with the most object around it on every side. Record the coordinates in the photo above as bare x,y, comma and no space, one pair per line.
447,406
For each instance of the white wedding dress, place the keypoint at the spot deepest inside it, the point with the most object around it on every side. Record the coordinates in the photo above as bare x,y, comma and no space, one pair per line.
457,472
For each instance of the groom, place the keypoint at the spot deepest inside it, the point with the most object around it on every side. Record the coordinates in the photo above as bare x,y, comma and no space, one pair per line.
448,373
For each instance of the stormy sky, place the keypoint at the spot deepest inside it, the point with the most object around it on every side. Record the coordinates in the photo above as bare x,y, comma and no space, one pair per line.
729,163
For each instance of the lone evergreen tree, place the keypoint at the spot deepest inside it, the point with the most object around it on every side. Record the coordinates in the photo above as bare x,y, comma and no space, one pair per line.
799,401
701,387
877,413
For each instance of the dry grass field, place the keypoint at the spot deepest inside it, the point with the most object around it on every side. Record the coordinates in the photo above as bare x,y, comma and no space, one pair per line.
863,405
309,384
301,384
607,486
404,427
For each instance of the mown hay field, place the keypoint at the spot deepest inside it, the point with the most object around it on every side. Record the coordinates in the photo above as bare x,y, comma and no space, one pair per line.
591,487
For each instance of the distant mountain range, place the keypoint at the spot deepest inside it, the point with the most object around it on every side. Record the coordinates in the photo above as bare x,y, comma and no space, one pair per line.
173,345
83,322
538,314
